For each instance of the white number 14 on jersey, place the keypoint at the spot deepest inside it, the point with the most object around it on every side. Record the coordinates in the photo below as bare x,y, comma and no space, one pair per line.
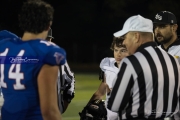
17,75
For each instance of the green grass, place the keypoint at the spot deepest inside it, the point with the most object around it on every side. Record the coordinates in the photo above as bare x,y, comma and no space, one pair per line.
86,85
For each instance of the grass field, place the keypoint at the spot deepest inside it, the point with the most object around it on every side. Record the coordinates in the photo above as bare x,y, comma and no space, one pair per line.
86,85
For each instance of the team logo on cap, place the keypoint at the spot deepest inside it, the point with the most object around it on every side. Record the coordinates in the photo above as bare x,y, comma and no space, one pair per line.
158,17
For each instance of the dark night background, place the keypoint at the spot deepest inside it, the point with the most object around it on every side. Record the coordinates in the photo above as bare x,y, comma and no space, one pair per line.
84,28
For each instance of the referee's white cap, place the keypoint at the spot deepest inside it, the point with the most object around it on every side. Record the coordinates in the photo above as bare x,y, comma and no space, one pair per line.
136,23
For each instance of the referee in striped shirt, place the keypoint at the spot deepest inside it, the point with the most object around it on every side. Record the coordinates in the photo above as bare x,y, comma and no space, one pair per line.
147,85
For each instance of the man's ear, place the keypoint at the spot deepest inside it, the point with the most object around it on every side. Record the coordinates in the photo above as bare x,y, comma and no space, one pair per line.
175,27
49,27
136,37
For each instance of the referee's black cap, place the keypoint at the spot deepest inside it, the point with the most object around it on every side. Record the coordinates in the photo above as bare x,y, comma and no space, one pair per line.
165,17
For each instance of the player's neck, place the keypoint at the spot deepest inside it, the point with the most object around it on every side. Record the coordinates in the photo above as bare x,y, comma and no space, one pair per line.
118,64
30,36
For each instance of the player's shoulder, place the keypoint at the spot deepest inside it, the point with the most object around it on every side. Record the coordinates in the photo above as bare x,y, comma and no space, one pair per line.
175,48
4,34
46,46
53,53
107,61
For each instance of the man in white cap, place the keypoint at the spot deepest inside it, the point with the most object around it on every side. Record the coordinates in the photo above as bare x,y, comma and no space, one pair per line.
147,85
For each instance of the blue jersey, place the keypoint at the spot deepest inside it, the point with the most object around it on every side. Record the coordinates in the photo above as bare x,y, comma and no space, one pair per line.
19,75
6,34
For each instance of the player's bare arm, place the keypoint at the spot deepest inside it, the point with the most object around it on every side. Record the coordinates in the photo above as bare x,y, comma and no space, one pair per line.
47,86
96,105
103,88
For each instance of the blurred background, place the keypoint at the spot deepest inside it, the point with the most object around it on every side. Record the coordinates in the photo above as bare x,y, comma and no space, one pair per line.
84,28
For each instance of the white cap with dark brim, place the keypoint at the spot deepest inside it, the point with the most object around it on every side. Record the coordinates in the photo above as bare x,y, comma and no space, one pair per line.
135,23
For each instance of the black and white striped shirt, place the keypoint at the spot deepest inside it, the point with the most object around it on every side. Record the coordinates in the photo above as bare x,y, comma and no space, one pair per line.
147,85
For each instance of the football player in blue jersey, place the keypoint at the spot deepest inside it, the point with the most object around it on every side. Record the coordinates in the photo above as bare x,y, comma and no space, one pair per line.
29,67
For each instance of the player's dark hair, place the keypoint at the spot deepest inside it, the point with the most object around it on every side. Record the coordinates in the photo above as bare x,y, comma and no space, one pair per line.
35,16
118,42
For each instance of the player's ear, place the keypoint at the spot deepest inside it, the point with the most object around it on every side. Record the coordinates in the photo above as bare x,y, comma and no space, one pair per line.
49,27
50,24
175,26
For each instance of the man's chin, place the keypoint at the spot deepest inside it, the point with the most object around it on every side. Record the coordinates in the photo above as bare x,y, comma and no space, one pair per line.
117,61
160,40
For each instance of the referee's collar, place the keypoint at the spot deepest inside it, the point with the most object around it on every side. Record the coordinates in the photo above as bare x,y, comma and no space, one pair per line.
176,42
153,44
